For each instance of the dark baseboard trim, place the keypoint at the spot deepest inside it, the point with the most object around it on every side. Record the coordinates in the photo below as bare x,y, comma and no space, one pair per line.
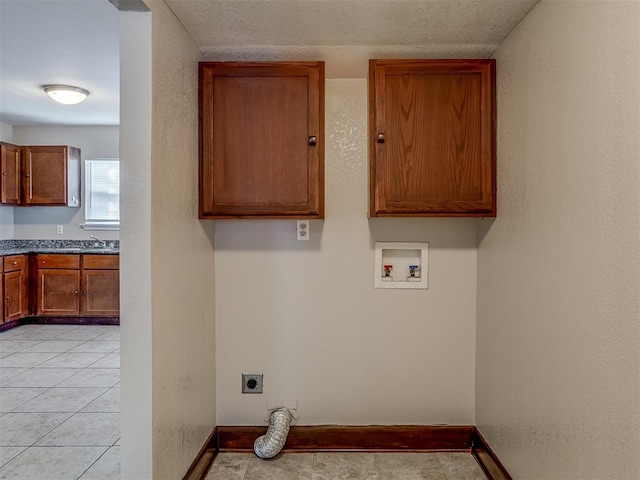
338,438
487,459
60,321
202,463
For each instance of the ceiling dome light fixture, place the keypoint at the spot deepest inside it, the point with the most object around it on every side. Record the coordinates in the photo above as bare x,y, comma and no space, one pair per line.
65,94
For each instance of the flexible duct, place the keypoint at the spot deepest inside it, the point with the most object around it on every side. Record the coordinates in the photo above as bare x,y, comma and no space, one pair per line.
270,444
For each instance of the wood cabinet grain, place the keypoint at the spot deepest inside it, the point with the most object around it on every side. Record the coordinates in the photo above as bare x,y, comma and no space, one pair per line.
10,184
15,284
432,138
100,285
58,286
78,285
51,175
261,140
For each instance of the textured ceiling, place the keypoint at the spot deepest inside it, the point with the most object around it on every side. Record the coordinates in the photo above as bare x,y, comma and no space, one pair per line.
76,42
345,33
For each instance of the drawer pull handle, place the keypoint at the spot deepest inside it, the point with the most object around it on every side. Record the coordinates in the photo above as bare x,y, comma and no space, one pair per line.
84,293
381,138
15,263
312,141
76,292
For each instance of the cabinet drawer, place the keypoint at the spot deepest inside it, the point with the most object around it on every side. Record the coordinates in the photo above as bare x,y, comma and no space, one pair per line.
15,262
101,262
58,261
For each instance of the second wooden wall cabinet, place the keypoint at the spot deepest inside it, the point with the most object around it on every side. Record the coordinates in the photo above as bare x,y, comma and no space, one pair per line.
432,138
51,176
261,140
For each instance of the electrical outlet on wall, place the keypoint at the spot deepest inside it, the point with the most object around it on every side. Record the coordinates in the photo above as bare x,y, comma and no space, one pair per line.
59,229
303,229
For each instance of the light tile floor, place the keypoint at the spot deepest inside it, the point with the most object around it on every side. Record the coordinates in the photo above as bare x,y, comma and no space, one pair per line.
343,466
60,402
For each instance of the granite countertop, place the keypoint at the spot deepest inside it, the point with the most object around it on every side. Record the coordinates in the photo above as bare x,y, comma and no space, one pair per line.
17,247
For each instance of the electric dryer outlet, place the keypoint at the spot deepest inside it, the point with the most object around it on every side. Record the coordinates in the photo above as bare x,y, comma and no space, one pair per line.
251,383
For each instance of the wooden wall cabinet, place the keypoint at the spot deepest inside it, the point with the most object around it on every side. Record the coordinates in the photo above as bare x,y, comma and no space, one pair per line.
100,285
432,138
51,176
72,285
15,284
10,184
261,140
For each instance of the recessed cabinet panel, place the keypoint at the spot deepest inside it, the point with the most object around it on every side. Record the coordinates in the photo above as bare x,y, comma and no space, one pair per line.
257,162
432,132
15,286
262,140
10,184
15,296
100,292
58,292
51,176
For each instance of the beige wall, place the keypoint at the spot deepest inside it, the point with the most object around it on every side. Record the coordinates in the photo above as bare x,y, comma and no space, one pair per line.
306,314
168,342
182,260
558,369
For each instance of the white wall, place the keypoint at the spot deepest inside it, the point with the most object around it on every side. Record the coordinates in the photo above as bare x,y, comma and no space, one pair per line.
41,222
136,454
558,369
6,213
6,132
306,314
182,258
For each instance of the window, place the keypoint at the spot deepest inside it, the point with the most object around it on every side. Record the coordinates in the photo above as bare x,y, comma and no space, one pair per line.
102,198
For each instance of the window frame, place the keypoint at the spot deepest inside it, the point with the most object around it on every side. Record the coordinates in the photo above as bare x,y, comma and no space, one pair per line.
93,223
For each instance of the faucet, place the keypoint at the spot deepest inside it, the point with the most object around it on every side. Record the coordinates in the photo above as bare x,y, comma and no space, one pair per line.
101,242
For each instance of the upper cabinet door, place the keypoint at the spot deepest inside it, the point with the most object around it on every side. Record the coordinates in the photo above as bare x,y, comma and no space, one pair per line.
51,175
261,140
10,174
432,138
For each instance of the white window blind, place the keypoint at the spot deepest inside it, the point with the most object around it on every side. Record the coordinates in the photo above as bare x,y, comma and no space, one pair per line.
102,198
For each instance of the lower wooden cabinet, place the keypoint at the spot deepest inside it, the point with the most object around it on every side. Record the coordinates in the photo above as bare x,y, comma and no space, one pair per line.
58,284
100,284
72,285
14,288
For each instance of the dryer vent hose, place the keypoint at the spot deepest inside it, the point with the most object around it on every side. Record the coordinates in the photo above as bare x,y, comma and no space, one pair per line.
270,444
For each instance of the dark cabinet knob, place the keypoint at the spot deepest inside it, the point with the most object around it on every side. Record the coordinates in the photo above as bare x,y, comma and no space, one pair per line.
381,138
312,141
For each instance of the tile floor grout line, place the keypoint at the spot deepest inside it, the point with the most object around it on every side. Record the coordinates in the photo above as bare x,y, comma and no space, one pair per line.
89,467
110,350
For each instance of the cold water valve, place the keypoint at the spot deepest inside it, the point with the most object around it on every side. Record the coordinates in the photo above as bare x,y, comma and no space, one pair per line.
414,273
